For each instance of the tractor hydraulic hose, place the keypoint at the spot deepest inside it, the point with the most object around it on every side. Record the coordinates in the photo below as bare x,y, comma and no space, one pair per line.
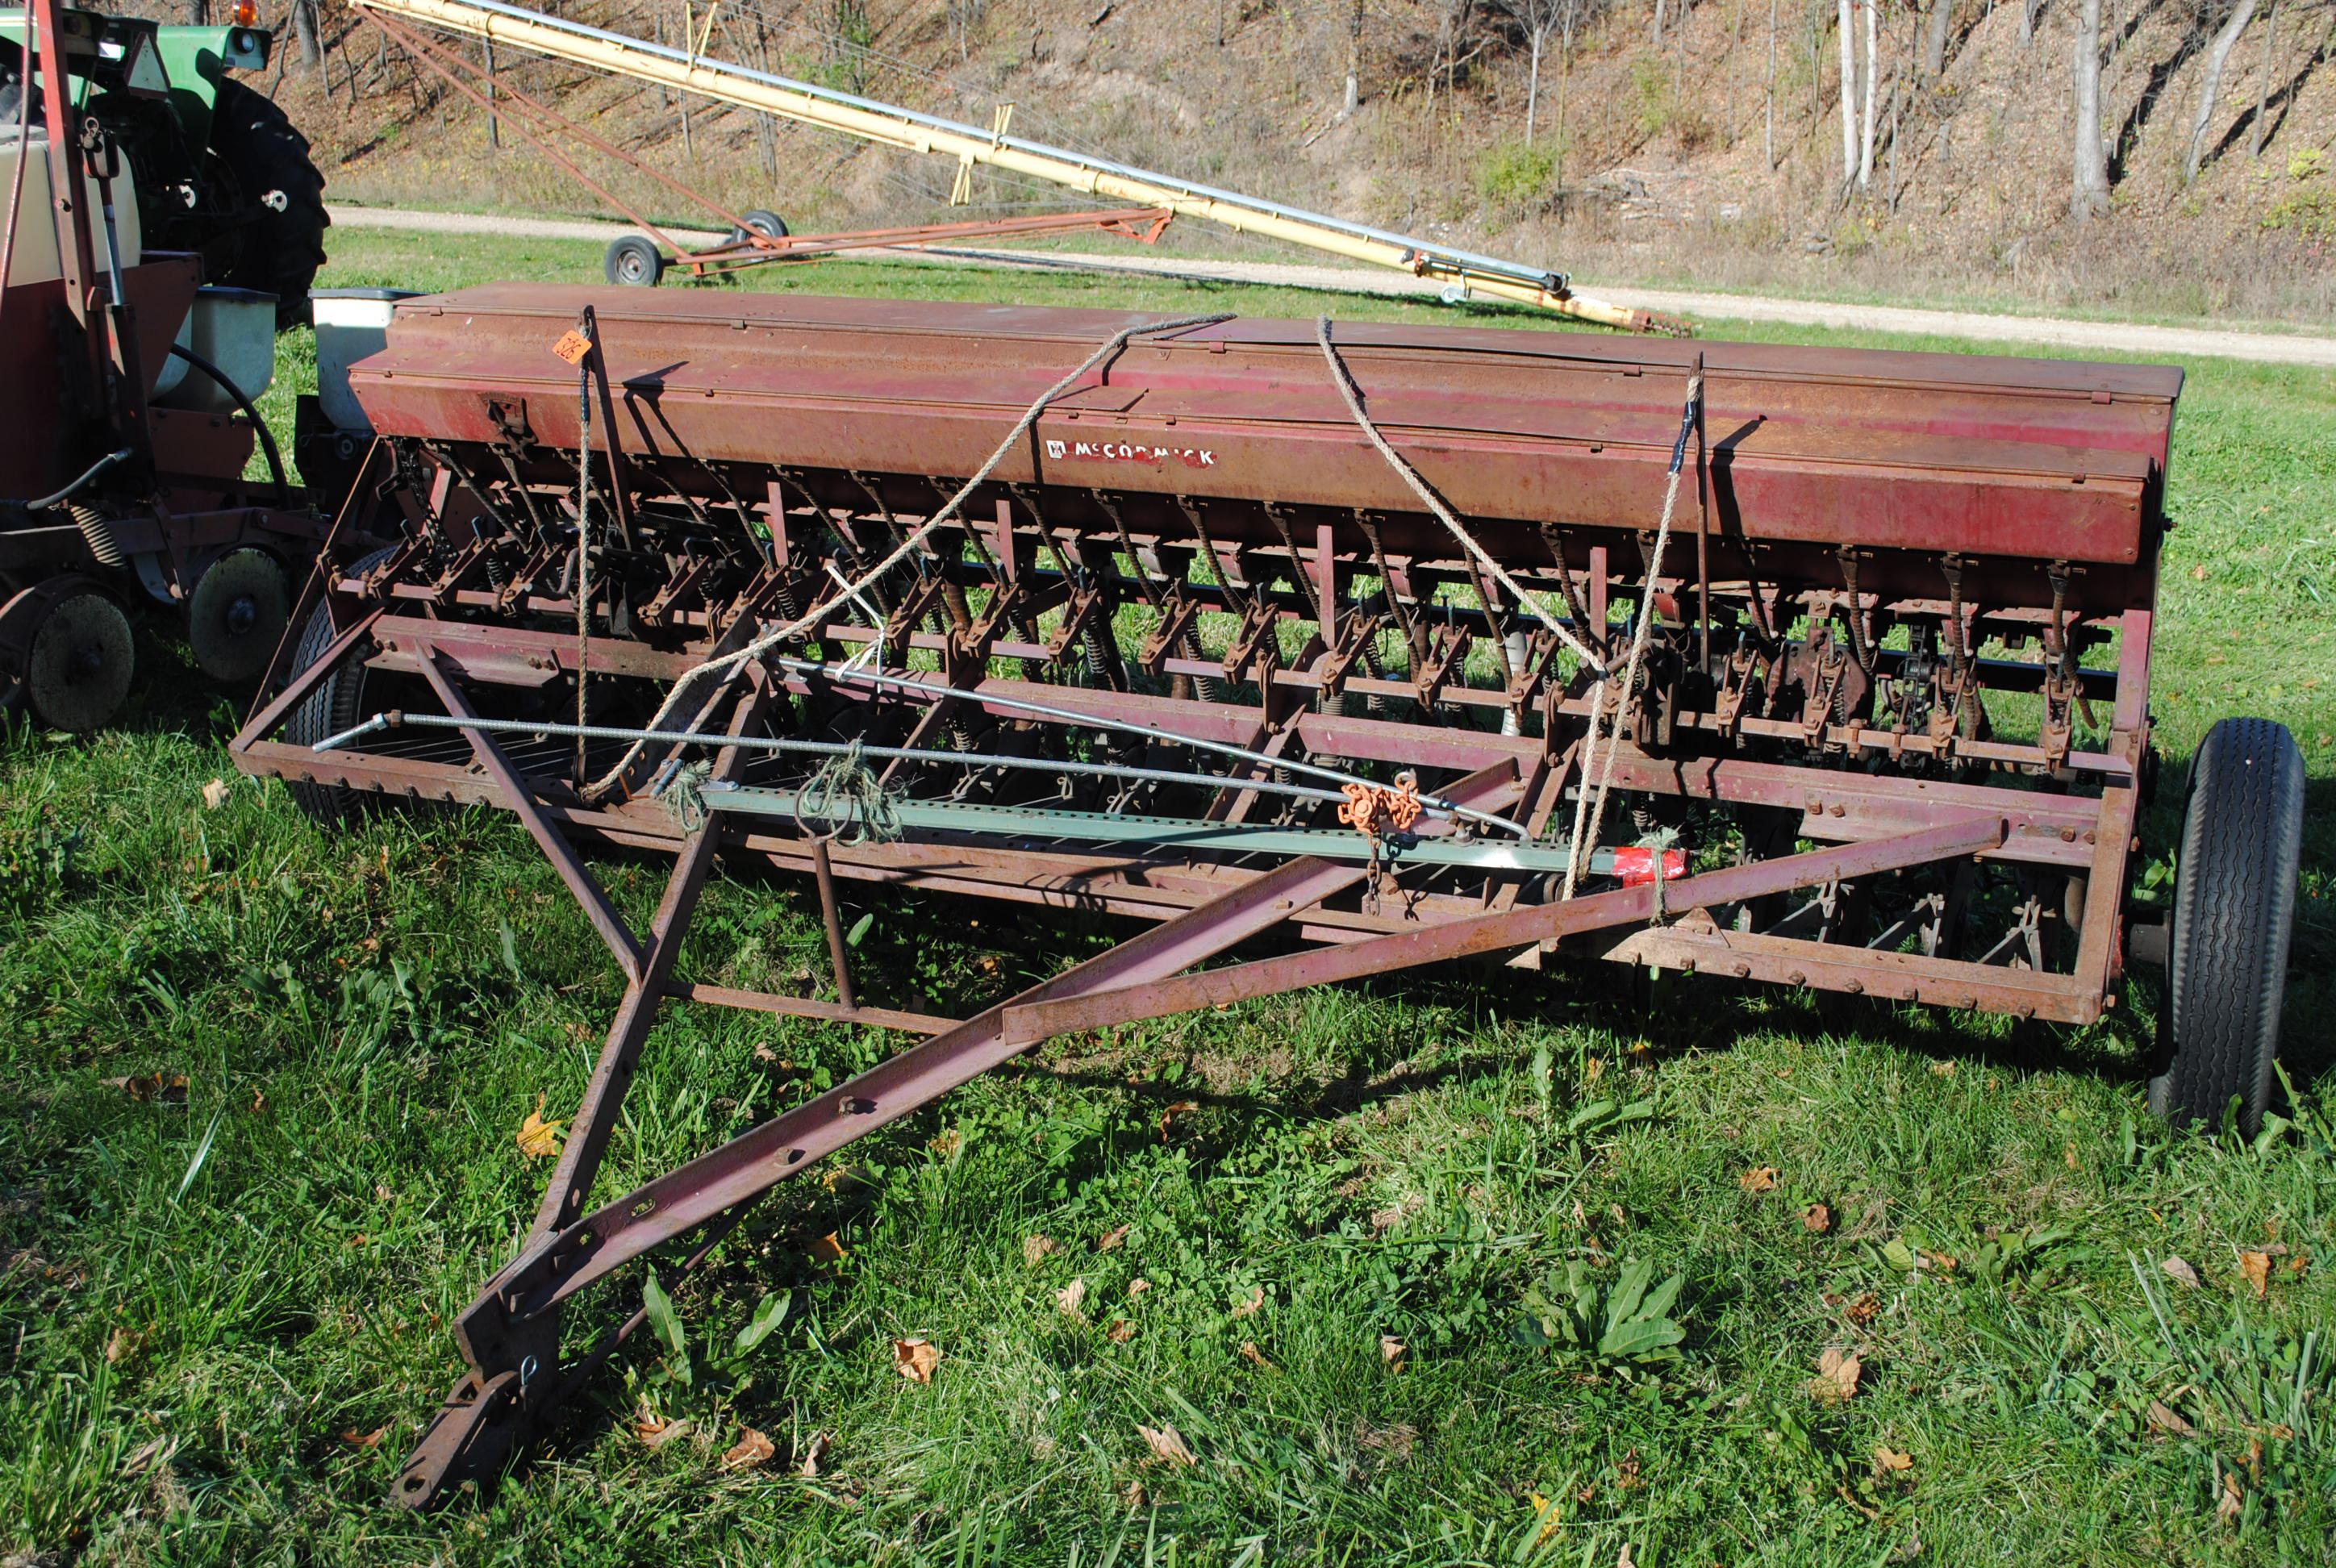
91,472
267,440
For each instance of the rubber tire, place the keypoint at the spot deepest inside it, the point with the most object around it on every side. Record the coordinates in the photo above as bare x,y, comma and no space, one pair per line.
2233,913
762,221
282,247
334,706
633,261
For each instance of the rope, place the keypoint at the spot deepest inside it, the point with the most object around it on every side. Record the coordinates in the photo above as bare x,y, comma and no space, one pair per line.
1434,503
684,795
728,663
1579,851
844,801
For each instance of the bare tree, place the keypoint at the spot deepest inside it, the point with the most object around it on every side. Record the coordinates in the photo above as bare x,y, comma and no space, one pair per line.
1873,71
1538,18
2210,86
1845,32
2263,88
1354,98
2090,196
1934,40
1768,124
304,30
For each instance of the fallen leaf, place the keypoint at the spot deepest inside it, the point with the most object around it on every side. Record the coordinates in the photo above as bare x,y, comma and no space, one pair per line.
356,1440
1836,1378
258,1100
1886,1459
1626,1472
1120,1332
1136,1287
1249,1307
2232,1503
1036,1249
751,1449
2180,1272
151,1454
1254,1355
1391,1351
2256,1266
121,1345
949,1143
2198,573
1389,1218
1864,1310
1816,1219
381,1192
1758,1179
1547,1513
1395,1442
536,1137
162,1089
1167,1444
1133,1496
2164,1418
215,794
1168,1115
764,1053
1625,1560
2301,1261
1110,1240
1068,1298
915,1360
814,1452
1942,1069
1593,1069
827,1248
2069,1155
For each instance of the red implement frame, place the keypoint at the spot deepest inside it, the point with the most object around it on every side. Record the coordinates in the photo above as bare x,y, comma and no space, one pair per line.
1254,578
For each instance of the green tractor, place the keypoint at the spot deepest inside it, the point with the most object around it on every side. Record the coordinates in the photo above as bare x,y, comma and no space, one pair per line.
218,167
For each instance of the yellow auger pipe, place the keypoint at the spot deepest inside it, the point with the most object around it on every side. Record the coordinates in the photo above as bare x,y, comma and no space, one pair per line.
688,70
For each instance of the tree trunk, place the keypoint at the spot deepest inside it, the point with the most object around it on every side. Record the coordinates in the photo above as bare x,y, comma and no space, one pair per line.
1532,83
2029,11
1934,43
2090,196
2211,86
1659,24
1768,124
2263,91
1865,128
304,30
1354,99
1848,92
494,121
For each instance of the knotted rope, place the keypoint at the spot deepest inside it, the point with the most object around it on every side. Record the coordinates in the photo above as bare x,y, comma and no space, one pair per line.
845,803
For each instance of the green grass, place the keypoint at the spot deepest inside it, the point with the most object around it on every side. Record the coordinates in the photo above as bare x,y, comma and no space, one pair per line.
365,1018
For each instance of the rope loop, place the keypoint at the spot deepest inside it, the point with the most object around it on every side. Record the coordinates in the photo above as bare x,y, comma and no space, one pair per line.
844,801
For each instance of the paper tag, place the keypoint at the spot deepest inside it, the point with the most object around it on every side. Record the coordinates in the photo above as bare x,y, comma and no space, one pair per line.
573,346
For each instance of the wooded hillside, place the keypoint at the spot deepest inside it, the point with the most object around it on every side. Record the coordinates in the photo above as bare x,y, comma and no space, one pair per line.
2162,156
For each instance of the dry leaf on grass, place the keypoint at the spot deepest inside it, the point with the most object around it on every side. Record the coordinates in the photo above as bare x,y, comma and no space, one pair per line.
1836,1378
653,1430
751,1449
1136,1287
1886,1459
827,1248
2256,1266
152,1454
1254,1355
121,1345
1167,1445
537,1139
1110,1240
814,1452
949,1143
2174,1268
2164,1418
1120,1332
163,1088
1758,1179
1036,1249
1168,1116
215,794
1864,1310
2234,1501
1068,1300
1816,1219
915,1360
1391,1350
1249,1307
356,1440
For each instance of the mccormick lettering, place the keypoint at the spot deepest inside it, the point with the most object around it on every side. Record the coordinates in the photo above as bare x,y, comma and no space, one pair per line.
1131,451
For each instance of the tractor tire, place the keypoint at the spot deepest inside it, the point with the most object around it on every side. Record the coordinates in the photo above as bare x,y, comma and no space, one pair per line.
284,244
2234,912
762,221
334,706
633,261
